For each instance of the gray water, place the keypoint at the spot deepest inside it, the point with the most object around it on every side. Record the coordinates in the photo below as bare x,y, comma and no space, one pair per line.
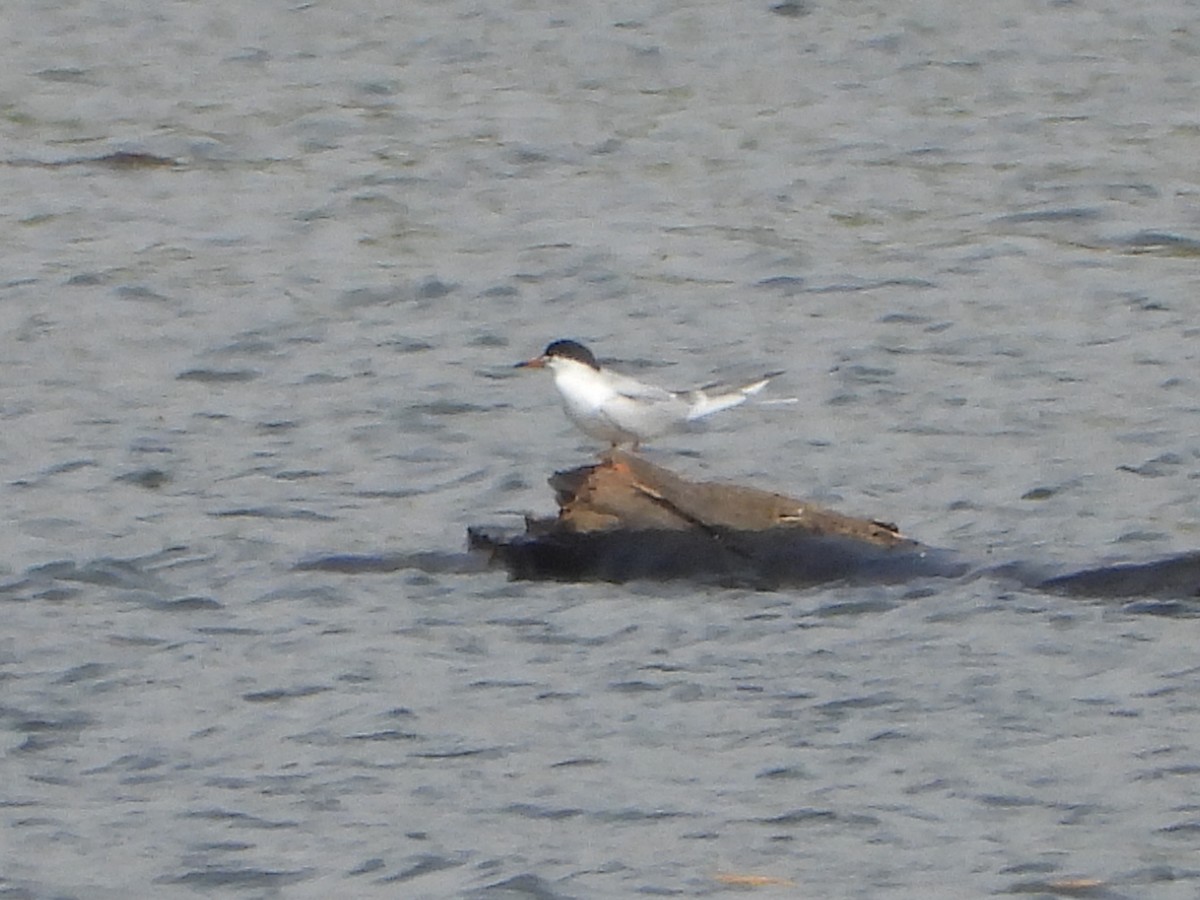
969,232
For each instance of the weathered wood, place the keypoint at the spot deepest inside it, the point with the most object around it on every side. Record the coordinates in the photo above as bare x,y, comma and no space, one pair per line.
626,491
626,518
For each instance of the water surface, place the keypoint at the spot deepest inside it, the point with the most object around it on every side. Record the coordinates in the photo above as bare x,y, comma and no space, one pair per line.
968,233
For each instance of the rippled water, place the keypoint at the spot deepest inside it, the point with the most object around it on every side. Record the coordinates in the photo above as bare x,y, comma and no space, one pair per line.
285,330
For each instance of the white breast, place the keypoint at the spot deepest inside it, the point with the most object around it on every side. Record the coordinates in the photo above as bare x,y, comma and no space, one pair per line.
587,399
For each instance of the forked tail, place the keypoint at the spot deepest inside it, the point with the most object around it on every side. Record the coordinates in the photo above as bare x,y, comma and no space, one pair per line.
714,397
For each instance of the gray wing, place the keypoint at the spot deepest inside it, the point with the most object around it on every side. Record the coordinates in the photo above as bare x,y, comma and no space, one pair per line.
644,410
639,390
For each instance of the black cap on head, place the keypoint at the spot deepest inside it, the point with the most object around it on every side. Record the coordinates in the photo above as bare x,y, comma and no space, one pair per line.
572,350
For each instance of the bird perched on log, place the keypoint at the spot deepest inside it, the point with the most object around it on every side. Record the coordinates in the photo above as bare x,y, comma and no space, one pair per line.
619,409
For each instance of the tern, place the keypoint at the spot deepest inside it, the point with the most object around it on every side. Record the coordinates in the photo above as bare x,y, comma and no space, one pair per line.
613,407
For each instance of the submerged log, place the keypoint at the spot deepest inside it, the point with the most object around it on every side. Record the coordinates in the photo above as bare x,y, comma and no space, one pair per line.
625,518
1174,578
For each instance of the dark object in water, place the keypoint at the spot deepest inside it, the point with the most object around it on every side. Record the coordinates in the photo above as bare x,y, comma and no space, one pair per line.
626,519
1176,578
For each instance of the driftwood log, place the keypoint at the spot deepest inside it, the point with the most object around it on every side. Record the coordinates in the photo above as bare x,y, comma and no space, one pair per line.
625,518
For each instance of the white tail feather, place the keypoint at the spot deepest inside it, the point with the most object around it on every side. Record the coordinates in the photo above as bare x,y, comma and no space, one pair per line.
704,403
